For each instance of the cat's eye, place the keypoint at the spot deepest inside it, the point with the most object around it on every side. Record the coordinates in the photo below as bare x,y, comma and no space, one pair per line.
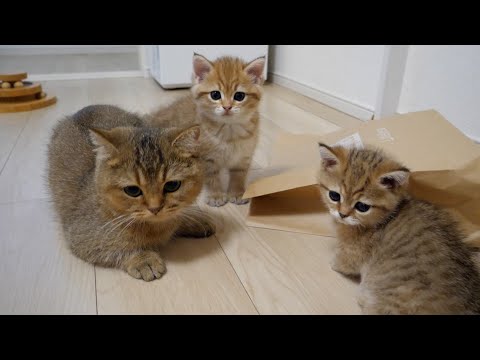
362,207
133,191
334,195
215,95
239,96
172,186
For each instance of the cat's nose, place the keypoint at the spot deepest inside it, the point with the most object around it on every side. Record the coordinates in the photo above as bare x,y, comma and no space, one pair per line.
154,210
227,108
342,215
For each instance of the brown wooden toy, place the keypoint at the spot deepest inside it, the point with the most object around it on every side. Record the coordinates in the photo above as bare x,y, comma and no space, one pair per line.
19,95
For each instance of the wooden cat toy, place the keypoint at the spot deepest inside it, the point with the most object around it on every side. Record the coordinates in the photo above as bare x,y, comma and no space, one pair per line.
17,95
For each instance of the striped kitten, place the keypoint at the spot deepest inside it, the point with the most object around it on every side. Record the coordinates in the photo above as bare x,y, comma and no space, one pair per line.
224,101
408,253
122,190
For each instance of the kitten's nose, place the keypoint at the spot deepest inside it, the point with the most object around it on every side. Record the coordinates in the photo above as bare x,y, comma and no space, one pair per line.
227,108
154,210
342,215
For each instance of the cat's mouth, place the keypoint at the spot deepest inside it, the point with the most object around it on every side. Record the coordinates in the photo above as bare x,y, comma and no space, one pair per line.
344,220
162,215
348,221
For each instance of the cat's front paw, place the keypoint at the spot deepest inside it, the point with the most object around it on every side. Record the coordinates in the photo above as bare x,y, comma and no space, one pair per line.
216,200
338,266
343,267
237,199
146,265
335,267
198,229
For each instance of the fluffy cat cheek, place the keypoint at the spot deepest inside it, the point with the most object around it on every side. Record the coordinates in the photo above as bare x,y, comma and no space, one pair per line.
334,213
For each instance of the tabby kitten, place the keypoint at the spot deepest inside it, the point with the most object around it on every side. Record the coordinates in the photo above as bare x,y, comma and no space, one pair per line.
121,189
408,253
224,101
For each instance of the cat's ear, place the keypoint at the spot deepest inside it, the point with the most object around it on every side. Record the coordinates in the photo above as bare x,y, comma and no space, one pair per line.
394,179
187,141
201,67
108,141
330,160
255,70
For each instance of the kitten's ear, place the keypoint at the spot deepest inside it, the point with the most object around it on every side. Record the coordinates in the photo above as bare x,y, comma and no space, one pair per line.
394,179
201,67
187,141
108,141
329,159
255,70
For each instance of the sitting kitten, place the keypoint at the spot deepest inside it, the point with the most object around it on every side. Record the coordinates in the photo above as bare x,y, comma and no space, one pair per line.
224,101
121,189
409,253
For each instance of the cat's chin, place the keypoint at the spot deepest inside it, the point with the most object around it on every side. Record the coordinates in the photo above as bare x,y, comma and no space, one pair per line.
153,219
348,222
231,119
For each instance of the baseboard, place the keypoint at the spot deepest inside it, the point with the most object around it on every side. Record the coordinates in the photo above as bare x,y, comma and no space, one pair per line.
86,75
324,97
476,139
66,49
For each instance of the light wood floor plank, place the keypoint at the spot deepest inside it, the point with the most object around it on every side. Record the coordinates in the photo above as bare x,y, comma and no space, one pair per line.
11,126
23,177
38,274
199,280
243,270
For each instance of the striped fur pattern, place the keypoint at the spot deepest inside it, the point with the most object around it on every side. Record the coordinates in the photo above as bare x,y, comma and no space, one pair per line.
93,157
224,101
408,253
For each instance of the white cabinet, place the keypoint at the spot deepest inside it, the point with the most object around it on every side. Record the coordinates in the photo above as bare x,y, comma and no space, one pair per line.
171,65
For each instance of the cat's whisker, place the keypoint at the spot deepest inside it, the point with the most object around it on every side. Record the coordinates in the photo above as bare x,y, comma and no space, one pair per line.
113,220
132,220
120,223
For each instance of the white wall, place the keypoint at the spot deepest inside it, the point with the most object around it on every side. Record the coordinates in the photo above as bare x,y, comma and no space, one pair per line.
446,78
347,72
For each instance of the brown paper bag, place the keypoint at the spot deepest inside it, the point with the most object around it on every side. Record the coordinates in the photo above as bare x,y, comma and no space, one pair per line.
445,167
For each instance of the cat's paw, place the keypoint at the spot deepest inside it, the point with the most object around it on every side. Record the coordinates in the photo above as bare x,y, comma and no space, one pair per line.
344,268
147,265
200,229
216,200
207,229
237,199
335,265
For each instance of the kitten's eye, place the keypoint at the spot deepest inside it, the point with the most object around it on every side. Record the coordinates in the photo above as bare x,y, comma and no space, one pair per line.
133,191
215,95
362,207
239,96
172,186
334,195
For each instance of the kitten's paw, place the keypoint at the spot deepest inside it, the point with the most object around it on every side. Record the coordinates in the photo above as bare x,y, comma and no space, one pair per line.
208,229
216,200
336,266
344,269
237,199
146,265
202,229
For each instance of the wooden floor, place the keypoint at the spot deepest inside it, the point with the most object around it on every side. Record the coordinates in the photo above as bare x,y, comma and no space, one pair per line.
241,270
